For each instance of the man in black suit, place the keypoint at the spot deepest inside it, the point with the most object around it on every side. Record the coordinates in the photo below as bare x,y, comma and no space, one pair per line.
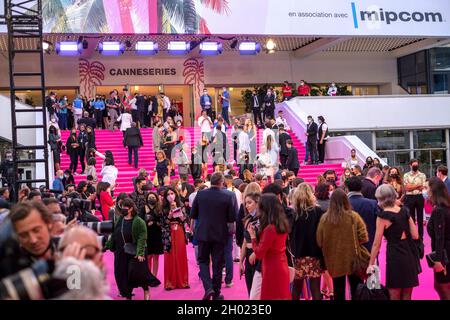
366,208
140,104
311,133
292,163
214,211
283,138
133,140
256,109
371,182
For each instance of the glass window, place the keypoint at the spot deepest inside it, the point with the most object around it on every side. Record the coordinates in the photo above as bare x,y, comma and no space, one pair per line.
392,140
440,59
365,136
398,159
424,139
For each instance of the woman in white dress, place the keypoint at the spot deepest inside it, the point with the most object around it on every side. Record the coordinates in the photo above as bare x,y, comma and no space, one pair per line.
125,121
273,150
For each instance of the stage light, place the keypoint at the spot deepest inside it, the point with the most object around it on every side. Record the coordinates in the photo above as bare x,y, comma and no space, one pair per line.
270,45
146,47
210,48
69,48
178,47
45,45
249,48
111,48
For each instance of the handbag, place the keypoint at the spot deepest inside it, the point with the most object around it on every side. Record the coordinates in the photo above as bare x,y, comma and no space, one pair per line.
128,247
362,255
155,180
432,258
372,288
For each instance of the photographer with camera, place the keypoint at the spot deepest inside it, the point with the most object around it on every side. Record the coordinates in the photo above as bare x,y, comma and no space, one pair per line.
32,223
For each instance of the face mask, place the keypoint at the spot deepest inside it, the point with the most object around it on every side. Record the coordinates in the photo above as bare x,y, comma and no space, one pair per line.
66,176
329,194
9,158
331,180
171,198
152,201
124,211
394,176
415,168
369,161
179,188
61,177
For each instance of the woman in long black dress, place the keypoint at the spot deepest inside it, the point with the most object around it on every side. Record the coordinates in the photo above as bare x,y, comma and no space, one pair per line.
438,228
153,219
131,230
402,257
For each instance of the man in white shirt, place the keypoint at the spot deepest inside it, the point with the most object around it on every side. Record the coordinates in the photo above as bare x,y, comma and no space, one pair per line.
204,122
166,105
280,120
332,91
244,142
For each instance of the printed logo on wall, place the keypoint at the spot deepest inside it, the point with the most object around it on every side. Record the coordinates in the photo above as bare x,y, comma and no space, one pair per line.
194,74
91,74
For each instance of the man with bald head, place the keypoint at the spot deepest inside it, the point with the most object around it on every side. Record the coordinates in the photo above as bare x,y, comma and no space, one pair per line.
82,243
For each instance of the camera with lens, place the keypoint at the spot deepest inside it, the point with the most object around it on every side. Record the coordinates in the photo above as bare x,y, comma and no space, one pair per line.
80,209
101,227
33,283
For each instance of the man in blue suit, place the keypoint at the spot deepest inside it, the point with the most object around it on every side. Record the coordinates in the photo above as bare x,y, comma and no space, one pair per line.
366,208
442,172
215,211
206,102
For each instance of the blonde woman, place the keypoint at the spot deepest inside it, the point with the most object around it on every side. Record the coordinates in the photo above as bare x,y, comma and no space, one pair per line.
307,254
162,167
252,131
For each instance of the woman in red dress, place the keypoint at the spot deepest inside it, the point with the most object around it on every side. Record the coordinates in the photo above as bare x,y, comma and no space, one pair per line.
271,248
174,239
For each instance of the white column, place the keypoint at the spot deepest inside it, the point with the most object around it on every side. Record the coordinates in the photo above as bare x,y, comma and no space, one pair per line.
447,145
411,144
374,141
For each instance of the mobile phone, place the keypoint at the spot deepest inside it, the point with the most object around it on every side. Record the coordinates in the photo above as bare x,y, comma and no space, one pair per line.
176,213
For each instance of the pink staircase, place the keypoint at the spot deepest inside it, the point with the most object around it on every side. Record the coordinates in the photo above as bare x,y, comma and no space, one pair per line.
107,140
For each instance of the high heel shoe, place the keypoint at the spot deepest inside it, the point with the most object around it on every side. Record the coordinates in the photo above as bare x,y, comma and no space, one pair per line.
146,295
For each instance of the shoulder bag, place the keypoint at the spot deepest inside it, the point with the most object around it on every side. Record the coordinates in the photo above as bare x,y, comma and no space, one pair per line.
362,255
128,247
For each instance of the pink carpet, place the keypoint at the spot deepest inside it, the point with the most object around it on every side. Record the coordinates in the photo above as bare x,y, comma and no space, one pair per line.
425,290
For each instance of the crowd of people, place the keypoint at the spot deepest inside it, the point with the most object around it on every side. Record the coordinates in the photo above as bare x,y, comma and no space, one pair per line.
291,239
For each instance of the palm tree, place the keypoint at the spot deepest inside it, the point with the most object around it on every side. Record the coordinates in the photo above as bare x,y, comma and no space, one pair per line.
182,13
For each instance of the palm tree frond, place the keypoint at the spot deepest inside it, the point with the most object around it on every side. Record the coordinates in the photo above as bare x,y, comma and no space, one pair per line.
219,6
174,11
